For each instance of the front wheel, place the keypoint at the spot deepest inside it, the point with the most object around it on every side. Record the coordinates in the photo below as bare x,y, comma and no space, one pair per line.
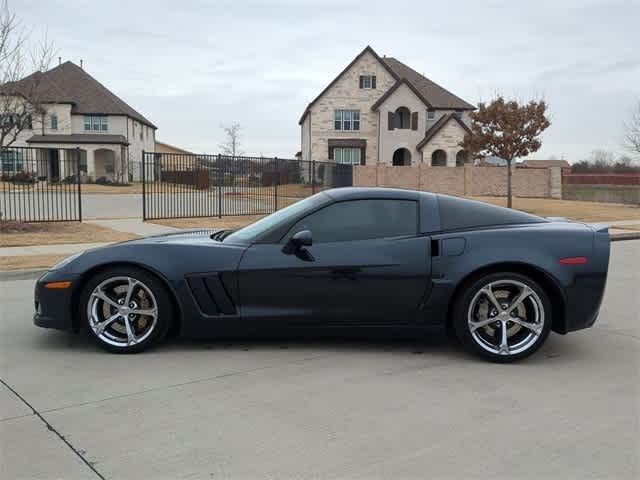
126,309
503,317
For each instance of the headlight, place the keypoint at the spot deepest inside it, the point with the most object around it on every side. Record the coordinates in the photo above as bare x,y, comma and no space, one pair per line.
65,261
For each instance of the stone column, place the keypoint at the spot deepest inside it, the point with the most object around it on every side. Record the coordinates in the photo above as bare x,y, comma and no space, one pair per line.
91,163
555,182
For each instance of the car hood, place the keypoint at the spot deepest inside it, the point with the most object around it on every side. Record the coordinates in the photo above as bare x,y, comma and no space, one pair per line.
183,237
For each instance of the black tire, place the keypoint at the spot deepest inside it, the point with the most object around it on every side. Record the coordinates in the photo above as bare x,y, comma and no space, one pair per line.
537,302
148,283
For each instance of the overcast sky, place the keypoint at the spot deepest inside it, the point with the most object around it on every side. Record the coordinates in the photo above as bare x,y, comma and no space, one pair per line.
192,65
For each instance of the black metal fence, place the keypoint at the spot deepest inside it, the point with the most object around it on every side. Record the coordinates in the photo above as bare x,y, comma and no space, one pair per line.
186,185
40,184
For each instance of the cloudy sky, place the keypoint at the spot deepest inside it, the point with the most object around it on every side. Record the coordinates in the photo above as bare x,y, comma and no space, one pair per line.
192,65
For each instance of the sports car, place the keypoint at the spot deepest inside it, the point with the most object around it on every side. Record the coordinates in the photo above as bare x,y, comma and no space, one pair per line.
367,260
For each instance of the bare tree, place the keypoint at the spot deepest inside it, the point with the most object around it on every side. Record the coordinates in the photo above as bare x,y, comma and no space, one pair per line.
21,101
231,144
633,130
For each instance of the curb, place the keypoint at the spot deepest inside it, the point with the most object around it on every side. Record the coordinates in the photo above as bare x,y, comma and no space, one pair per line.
617,237
10,275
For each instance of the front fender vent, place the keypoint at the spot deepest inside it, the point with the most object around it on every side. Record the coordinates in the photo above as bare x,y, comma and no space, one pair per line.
210,295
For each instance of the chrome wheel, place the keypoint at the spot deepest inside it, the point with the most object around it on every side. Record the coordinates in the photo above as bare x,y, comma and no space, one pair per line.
506,317
122,311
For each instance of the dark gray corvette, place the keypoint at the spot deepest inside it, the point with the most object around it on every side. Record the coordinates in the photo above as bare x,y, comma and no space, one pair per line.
345,260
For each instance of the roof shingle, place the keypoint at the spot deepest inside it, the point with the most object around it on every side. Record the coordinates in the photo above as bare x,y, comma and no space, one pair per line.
437,96
68,83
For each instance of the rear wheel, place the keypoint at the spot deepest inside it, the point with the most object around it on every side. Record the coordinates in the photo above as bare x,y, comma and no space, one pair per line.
503,317
126,309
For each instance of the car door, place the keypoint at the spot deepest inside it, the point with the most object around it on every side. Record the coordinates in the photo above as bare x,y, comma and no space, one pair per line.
367,265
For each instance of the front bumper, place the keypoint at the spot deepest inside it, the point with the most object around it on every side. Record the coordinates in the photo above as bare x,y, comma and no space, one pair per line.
53,307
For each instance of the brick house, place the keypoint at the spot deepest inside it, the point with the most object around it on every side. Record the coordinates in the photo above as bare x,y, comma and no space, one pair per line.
379,110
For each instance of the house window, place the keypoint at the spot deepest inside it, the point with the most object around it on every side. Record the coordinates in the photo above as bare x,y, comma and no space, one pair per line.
96,123
54,121
20,120
346,120
402,118
459,114
368,81
12,161
347,156
141,131
431,114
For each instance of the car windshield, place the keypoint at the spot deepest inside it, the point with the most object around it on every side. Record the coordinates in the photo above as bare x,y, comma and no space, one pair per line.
253,231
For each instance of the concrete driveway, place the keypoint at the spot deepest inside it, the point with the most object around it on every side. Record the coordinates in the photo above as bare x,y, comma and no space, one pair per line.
323,409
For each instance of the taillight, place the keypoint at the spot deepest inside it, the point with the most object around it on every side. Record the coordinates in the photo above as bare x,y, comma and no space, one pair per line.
573,261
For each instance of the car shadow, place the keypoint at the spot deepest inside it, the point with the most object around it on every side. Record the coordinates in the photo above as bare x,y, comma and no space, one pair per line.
435,345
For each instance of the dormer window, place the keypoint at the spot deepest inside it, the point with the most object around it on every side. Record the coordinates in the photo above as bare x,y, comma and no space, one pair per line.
368,81
54,121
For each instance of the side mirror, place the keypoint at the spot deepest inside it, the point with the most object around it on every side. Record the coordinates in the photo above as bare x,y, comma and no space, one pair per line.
297,241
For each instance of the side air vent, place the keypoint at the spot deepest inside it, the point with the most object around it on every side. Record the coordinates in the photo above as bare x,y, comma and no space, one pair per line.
210,295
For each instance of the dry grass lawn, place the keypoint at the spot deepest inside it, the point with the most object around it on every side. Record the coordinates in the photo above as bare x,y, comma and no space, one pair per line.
14,234
29,262
575,210
210,222
633,227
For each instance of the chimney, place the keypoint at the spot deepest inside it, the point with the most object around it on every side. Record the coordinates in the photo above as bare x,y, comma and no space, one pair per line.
80,63
59,60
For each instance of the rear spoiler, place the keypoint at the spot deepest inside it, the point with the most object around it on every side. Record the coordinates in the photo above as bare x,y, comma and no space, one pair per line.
596,227
599,227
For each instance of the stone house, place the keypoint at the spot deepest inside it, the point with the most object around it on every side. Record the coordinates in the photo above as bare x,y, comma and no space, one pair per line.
81,113
379,110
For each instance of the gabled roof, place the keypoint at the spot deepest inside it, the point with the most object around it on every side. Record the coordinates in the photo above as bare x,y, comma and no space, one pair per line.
432,94
171,147
366,49
436,127
68,83
388,93
436,96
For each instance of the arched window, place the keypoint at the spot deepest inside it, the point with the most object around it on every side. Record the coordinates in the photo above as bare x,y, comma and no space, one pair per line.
439,158
401,157
402,118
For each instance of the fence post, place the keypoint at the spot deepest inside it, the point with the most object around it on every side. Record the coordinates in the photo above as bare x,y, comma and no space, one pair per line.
276,180
219,189
144,190
79,184
313,177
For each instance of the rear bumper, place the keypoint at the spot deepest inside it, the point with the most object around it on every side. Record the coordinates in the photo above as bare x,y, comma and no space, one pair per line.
53,307
583,302
584,295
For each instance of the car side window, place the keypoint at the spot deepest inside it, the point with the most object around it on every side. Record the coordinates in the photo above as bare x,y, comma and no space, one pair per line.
360,220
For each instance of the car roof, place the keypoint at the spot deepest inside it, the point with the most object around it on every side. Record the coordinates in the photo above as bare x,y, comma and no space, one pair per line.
356,193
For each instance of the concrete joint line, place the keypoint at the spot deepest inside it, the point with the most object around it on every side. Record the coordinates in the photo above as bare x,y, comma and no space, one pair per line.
52,429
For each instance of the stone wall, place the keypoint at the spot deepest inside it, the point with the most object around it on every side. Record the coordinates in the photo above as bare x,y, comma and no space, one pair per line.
469,180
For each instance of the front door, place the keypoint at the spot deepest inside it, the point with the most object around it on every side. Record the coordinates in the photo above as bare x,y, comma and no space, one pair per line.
367,265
